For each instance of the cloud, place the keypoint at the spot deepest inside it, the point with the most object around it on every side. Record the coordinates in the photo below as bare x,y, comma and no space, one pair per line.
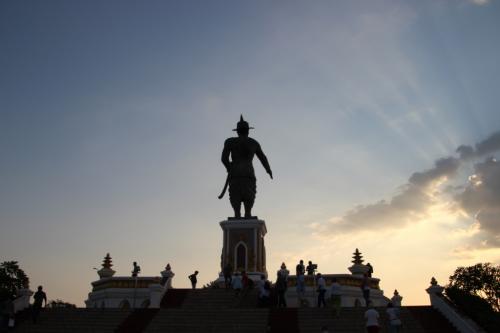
428,190
485,147
481,200
412,202
444,167
479,2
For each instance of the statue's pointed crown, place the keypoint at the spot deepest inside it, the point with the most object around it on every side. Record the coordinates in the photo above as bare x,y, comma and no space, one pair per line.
242,124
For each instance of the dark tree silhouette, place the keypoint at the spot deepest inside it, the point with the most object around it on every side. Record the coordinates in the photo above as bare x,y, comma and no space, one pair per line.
12,278
481,280
61,304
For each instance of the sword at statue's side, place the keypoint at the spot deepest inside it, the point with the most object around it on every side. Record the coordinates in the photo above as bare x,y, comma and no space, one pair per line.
225,187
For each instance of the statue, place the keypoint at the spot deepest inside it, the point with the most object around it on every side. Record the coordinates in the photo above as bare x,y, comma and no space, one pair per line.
241,176
136,269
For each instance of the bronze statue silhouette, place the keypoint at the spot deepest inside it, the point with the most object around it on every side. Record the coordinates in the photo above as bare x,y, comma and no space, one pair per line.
241,176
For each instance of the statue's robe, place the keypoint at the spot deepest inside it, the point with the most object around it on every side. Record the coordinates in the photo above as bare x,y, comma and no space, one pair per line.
242,181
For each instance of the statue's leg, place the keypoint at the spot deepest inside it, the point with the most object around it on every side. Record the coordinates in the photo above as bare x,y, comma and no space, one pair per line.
235,198
250,191
248,208
236,208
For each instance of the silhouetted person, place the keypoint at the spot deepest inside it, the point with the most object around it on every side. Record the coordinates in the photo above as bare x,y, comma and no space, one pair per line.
284,272
300,268
365,287
372,317
321,290
241,175
39,297
310,268
336,297
281,286
136,269
370,270
228,273
237,284
193,278
393,316
246,282
264,291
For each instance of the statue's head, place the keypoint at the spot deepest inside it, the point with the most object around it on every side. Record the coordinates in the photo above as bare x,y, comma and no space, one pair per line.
242,127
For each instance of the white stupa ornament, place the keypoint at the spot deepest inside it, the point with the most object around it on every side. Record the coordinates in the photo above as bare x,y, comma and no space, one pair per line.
358,268
106,270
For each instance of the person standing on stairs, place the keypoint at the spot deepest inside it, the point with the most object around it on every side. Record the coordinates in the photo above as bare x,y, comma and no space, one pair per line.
321,290
394,321
336,296
301,281
193,278
39,298
281,286
228,274
264,291
237,284
284,272
372,316
365,287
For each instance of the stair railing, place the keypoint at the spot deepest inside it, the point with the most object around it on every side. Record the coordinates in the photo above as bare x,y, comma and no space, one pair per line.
156,293
463,325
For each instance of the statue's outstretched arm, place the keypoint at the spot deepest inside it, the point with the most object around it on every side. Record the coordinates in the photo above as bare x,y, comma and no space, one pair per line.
263,159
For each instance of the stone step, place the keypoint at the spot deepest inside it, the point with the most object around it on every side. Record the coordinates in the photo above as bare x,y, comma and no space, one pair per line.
74,321
214,320
208,298
195,316
311,320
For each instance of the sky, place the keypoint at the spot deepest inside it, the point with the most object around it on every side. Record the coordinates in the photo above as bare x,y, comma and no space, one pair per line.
380,120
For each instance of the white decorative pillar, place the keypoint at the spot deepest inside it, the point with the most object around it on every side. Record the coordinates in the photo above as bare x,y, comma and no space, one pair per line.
434,291
396,299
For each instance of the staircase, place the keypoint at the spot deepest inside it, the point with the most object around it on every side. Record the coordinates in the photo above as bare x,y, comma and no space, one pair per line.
174,298
415,319
74,321
430,319
219,299
219,310
213,320
209,310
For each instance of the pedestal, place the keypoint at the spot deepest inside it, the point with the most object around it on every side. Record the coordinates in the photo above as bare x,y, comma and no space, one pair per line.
243,246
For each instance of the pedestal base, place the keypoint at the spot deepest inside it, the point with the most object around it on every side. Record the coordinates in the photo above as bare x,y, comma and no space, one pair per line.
243,246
